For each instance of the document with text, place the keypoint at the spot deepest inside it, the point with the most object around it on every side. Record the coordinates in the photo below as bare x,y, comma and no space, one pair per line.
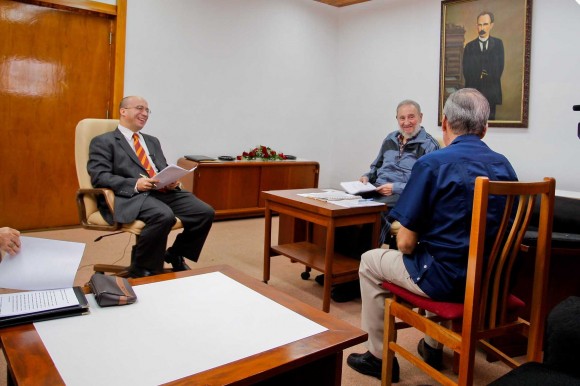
26,302
35,306
171,174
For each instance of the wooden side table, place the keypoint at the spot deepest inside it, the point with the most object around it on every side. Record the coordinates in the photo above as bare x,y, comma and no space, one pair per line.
336,268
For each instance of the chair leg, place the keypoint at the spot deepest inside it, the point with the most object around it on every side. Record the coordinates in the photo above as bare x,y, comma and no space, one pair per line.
389,335
456,327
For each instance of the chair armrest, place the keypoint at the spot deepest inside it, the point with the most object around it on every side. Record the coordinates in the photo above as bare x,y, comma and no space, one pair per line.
93,194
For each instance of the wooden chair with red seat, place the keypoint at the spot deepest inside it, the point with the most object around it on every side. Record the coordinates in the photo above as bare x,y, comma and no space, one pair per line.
89,214
488,309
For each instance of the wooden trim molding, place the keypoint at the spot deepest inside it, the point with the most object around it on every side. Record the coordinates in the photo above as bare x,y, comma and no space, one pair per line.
76,5
341,3
119,54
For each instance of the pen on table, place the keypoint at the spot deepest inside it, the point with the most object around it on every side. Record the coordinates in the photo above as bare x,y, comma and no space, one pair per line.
365,200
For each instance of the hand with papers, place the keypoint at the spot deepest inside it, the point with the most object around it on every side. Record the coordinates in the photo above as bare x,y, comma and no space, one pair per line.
357,187
171,174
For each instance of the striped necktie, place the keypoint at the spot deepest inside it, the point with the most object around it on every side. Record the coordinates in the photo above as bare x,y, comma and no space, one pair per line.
142,156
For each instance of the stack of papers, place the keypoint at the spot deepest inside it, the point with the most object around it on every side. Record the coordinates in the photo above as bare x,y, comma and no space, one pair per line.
340,198
357,187
170,174
331,195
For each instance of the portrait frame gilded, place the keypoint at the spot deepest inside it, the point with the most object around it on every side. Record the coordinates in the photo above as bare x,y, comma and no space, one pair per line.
512,26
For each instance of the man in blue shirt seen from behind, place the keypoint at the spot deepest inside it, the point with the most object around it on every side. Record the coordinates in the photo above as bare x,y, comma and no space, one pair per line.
435,215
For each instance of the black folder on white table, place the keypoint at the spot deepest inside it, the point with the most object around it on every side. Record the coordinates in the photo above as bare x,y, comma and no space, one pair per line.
35,306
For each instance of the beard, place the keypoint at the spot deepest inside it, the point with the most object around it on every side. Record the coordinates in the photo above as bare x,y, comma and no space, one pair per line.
413,133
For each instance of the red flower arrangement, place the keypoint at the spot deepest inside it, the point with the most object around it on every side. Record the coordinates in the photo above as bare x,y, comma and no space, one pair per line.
263,153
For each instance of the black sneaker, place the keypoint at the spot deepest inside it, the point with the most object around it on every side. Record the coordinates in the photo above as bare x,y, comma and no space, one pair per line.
368,364
432,356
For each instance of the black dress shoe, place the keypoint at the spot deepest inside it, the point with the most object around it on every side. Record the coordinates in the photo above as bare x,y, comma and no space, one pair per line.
345,292
319,279
368,364
432,356
136,272
178,262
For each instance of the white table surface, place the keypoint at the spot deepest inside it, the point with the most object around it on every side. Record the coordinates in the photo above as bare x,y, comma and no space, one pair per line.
177,328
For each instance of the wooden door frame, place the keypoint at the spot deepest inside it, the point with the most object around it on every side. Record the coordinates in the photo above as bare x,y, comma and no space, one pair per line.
118,14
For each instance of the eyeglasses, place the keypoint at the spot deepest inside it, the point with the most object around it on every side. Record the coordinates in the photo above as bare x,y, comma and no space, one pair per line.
141,109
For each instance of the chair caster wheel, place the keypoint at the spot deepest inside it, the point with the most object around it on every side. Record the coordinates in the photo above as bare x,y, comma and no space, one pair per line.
305,275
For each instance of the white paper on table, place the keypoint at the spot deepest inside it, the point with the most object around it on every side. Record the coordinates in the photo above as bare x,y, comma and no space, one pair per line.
41,264
171,174
176,328
356,203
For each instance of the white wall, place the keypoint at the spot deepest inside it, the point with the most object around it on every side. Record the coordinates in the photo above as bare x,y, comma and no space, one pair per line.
389,51
223,76
322,82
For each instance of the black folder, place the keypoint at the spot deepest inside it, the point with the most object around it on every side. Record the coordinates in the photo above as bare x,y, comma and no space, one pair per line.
36,316
200,158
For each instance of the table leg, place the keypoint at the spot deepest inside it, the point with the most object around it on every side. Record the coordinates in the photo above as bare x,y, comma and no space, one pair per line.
376,232
328,257
267,241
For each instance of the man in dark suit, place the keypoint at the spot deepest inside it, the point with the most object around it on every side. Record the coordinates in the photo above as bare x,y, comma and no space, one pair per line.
114,164
483,62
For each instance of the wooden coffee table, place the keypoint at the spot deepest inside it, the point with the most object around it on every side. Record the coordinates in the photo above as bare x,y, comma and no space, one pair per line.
313,360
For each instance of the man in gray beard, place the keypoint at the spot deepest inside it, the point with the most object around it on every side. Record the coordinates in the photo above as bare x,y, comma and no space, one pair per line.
389,173
391,169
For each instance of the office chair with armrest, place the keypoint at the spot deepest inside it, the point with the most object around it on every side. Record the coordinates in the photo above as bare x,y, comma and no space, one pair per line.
489,309
89,214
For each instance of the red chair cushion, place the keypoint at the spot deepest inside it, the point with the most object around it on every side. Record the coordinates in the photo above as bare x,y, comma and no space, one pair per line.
446,310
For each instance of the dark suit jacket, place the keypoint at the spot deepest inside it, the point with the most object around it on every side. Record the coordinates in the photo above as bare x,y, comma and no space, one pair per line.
492,61
113,164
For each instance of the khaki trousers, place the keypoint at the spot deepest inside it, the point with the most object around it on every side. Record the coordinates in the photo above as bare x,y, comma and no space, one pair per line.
376,266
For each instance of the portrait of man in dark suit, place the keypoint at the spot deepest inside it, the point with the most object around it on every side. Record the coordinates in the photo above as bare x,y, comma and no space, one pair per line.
483,62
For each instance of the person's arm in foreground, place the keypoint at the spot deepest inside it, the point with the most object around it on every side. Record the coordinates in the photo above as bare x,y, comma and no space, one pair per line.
9,240
406,240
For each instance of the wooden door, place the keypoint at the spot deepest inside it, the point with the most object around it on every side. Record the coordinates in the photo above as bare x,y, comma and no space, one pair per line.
55,69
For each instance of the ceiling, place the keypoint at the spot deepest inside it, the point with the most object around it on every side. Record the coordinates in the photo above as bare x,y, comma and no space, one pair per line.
341,3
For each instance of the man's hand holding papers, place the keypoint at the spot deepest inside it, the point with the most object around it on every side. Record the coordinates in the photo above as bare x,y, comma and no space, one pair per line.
357,187
171,174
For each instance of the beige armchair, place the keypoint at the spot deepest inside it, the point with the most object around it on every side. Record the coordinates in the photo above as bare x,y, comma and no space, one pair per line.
89,215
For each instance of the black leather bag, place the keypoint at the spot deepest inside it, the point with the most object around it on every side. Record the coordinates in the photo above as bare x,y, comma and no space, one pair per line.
112,290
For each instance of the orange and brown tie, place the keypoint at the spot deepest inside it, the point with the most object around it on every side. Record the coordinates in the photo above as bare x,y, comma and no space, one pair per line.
142,156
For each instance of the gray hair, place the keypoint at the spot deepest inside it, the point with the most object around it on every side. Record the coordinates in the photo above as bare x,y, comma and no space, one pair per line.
467,111
409,102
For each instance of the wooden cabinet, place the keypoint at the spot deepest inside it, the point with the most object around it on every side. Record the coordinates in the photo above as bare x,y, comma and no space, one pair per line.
233,188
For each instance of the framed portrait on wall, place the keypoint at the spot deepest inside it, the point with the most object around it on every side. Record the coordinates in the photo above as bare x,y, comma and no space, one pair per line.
485,44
